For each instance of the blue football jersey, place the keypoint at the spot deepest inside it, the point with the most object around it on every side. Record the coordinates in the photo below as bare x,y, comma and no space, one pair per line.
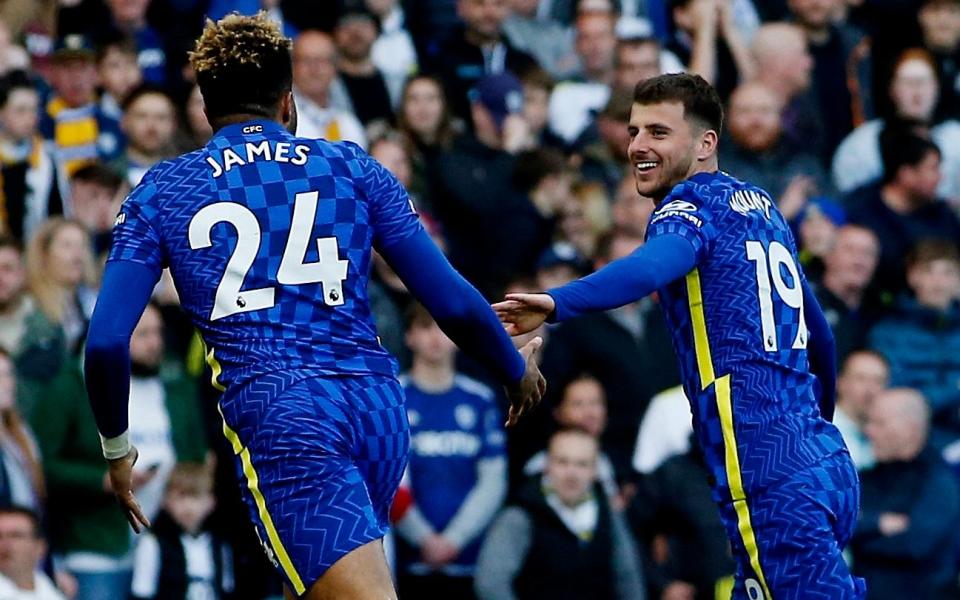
268,238
737,322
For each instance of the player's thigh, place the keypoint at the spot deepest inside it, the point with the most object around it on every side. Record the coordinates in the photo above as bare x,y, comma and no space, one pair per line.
792,545
296,454
361,574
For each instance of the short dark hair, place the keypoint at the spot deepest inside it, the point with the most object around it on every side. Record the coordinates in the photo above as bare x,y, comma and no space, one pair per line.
8,241
243,66
98,174
902,147
146,89
116,40
700,100
419,317
930,249
533,166
14,80
28,513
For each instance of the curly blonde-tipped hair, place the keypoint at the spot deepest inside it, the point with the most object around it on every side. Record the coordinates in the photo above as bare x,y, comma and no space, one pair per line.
243,65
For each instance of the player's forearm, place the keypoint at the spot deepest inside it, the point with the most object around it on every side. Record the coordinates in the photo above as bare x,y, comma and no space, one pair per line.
481,504
663,259
125,292
459,309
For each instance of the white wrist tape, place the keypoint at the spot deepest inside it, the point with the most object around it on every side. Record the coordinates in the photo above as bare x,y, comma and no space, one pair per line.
116,447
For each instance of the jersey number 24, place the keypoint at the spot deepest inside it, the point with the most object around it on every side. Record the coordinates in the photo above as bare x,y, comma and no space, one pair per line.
770,263
329,270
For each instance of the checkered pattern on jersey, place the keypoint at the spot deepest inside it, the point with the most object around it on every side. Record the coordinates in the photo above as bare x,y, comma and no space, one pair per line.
801,527
360,204
328,453
775,414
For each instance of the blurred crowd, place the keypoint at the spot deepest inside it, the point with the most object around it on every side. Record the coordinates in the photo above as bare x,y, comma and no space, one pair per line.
507,122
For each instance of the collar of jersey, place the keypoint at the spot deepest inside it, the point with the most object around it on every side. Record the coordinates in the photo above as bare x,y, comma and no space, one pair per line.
237,129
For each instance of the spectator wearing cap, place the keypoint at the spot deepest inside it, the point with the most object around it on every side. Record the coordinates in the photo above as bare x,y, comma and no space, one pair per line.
815,228
324,109
904,207
477,49
354,34
842,69
940,26
561,539
544,38
488,220
605,160
33,187
756,150
914,92
842,290
79,129
559,264
620,348
393,53
905,542
921,341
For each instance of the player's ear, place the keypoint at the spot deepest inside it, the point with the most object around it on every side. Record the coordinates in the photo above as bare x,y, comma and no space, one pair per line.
708,145
288,112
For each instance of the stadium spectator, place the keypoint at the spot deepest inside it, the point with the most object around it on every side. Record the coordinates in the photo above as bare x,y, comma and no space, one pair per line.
864,376
630,212
354,35
638,59
182,556
940,26
707,40
583,406
60,277
620,348
323,105
196,129
21,476
457,472
561,540
393,52
756,150
85,526
22,548
784,66
842,70
71,119
537,88
547,40
905,544
903,208
922,339
684,539
33,185
95,196
473,51
485,217
149,122
605,160
914,88
118,72
575,101
130,18
664,431
843,289
34,342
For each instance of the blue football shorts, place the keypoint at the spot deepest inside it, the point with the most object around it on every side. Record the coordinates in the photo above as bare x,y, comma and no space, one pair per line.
319,461
792,547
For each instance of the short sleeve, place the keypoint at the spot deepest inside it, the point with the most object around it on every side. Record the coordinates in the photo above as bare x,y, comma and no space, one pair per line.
136,235
686,218
391,211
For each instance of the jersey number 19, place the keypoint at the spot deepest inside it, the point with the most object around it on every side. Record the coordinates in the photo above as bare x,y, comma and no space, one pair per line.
770,263
329,270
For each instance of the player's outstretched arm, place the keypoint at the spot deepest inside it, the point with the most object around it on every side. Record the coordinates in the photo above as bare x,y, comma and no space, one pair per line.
663,259
464,315
821,351
124,294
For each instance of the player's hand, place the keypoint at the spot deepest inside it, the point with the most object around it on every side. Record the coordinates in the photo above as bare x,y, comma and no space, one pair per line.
893,523
526,394
437,551
122,484
522,313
